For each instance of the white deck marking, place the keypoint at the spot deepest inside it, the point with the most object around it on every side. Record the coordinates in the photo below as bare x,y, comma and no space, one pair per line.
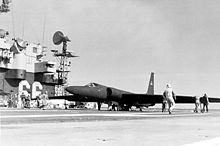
104,115
210,142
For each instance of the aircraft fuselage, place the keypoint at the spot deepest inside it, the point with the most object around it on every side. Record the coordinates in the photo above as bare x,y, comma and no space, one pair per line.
98,92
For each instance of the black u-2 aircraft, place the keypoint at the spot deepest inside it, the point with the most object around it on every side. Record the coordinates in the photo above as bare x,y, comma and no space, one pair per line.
124,100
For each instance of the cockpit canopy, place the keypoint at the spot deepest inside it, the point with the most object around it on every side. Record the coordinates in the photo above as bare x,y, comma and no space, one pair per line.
92,85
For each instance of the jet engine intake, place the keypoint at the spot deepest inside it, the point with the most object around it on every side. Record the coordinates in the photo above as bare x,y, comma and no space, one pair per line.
113,94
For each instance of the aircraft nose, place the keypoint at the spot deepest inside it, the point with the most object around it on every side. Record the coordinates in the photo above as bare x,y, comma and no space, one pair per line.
72,89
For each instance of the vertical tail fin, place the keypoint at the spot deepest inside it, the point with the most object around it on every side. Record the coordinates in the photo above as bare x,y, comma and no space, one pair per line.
150,89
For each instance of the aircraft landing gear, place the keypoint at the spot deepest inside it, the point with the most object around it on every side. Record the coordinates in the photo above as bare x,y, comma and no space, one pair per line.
125,107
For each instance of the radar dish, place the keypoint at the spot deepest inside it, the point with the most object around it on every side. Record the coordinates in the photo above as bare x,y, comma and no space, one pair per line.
58,38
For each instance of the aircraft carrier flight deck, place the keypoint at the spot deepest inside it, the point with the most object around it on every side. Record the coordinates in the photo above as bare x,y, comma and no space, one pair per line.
92,127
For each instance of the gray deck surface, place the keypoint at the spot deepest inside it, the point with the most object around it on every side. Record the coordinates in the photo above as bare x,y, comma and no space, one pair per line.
89,127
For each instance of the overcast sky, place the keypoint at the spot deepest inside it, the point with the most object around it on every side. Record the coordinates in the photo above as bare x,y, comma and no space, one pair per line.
121,41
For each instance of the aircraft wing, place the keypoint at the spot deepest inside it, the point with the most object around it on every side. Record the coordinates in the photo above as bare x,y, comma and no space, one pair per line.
145,98
134,98
141,98
76,98
212,99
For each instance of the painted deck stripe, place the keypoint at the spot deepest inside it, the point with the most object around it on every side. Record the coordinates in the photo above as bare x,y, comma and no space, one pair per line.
210,142
107,115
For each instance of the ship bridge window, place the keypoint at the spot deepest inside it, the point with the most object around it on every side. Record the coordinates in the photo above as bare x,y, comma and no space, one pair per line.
34,50
50,65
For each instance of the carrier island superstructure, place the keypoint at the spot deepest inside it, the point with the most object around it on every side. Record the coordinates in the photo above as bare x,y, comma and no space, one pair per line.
24,68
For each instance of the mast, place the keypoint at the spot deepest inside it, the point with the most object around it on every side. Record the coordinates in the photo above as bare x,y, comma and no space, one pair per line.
64,63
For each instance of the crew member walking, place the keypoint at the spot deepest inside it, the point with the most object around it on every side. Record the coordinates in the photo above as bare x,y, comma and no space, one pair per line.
197,104
164,102
23,97
170,96
205,101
